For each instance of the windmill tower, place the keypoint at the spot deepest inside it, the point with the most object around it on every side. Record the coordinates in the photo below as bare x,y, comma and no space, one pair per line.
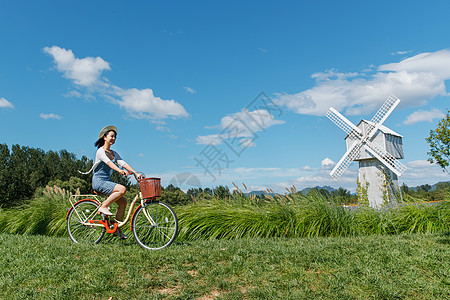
377,148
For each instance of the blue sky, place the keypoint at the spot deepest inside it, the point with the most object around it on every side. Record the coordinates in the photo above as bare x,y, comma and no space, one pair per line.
175,76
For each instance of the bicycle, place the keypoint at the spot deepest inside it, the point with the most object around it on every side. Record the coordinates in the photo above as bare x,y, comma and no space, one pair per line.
154,223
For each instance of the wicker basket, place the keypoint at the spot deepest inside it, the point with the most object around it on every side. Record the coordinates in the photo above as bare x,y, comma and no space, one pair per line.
150,187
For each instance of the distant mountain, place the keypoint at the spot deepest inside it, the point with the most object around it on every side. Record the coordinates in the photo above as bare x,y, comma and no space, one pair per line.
433,187
326,187
304,191
330,189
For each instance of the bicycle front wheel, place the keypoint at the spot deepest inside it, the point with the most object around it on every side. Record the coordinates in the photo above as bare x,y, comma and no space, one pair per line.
154,225
79,231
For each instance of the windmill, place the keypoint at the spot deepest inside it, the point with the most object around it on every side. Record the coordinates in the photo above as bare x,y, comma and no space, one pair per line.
377,148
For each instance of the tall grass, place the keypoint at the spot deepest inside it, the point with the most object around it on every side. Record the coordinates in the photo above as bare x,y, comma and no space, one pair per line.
235,217
317,217
300,216
415,218
44,214
241,216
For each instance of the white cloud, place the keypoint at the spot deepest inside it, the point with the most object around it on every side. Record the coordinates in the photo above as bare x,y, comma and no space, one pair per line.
424,116
246,143
423,172
400,52
327,164
5,103
212,139
85,71
437,63
50,116
414,80
189,90
145,105
248,122
74,94
242,125
417,164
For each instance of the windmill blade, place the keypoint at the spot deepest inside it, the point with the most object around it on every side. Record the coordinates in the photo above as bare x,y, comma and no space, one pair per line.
385,110
346,160
341,121
387,159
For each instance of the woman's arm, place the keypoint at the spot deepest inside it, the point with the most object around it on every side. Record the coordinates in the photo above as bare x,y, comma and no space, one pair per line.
131,170
123,164
116,168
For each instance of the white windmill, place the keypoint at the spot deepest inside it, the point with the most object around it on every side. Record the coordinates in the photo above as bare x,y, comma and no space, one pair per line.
377,148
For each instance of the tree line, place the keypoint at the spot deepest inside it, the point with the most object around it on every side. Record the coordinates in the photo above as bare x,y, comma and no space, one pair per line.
24,169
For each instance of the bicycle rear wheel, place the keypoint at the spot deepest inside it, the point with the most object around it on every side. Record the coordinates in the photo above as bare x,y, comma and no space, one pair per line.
78,216
154,225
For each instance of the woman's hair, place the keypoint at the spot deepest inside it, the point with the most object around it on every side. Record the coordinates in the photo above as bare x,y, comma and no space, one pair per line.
100,142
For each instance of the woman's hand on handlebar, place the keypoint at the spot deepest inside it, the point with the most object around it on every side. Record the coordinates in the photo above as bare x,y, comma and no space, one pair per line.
123,172
136,175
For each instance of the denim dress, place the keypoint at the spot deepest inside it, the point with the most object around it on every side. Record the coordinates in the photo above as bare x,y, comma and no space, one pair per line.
101,179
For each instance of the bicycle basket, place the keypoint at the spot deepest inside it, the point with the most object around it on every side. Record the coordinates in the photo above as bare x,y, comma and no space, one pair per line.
150,187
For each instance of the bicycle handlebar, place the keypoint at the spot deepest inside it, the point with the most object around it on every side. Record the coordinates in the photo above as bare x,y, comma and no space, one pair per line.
135,176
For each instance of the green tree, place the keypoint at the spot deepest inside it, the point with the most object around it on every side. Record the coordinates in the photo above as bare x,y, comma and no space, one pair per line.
72,185
194,192
174,195
343,196
221,192
4,168
443,185
405,189
425,187
24,169
439,141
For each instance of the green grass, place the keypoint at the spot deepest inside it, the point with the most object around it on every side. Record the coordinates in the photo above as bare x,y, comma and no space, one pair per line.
410,266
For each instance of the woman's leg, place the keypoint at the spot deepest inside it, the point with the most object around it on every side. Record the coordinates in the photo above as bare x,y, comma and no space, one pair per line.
119,215
118,193
121,210
117,196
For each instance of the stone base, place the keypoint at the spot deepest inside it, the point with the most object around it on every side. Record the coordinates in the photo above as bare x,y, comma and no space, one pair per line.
372,177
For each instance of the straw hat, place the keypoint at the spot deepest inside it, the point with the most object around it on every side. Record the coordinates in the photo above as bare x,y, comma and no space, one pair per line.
107,129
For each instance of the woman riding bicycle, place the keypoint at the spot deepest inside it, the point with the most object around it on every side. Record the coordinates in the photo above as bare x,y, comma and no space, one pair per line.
105,163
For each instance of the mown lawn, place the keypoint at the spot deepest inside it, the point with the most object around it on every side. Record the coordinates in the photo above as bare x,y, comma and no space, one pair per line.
414,266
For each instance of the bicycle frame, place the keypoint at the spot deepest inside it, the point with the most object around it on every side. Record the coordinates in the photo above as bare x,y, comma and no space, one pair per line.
105,223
